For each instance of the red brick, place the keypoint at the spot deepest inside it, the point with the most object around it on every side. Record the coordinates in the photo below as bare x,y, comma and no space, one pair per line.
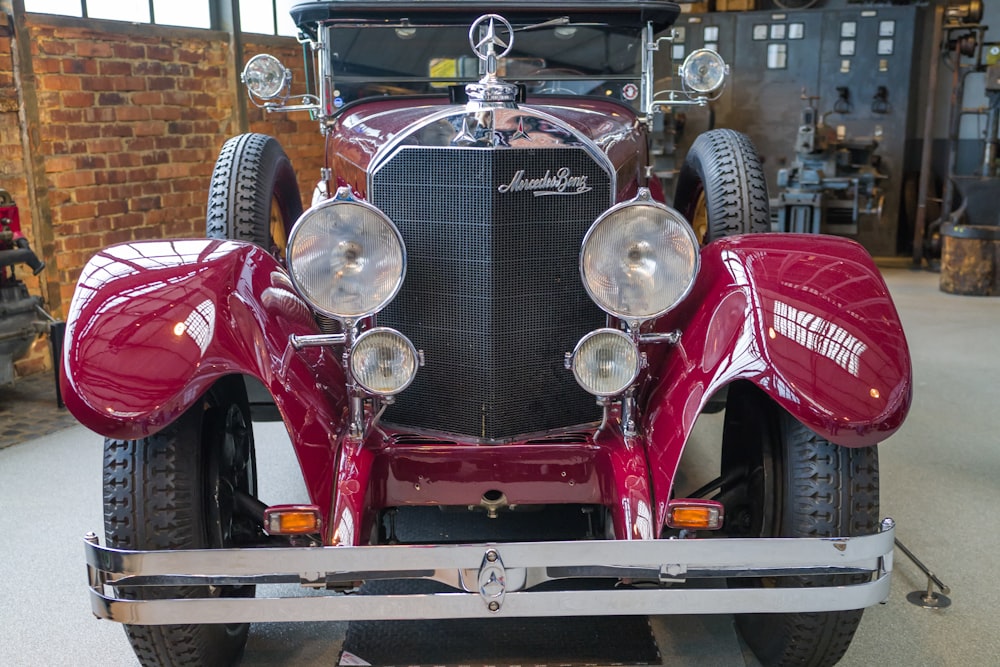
164,53
150,99
66,115
72,179
191,55
99,115
150,128
59,163
78,66
128,51
160,83
54,47
115,68
149,68
78,99
173,170
144,203
166,113
109,176
179,98
117,130
119,160
155,188
129,83
84,131
76,211
140,144
90,49
111,99
105,145
142,174
107,208
148,233
168,141
58,82
92,194
129,220
155,157
129,113
97,83
177,70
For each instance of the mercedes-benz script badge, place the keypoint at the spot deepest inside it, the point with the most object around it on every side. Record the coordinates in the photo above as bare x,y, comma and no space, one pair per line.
560,183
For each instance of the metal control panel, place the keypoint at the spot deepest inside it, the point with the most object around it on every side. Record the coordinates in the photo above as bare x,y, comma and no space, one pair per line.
857,64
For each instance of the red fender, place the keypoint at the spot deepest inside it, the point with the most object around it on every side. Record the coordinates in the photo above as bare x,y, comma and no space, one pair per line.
154,324
808,319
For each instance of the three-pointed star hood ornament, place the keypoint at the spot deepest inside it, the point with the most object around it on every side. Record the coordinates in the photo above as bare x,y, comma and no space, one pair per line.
491,37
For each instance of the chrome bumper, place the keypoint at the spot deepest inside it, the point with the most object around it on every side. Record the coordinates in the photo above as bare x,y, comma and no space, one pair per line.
493,579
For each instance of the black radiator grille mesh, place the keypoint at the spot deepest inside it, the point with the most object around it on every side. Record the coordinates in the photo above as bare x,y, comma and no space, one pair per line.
492,291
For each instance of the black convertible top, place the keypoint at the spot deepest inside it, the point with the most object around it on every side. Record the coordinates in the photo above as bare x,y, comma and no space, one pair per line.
619,13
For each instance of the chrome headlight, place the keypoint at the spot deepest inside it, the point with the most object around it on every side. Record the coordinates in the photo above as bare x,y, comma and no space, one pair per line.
605,362
383,361
265,77
346,258
639,259
703,72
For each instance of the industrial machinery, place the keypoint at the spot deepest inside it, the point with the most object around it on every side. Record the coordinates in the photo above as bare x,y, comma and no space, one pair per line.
22,317
833,180
967,233
872,49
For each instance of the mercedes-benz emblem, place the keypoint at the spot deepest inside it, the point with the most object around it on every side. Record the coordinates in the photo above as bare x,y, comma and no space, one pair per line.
487,45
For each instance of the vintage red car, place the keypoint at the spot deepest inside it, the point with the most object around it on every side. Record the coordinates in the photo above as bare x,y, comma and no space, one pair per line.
489,307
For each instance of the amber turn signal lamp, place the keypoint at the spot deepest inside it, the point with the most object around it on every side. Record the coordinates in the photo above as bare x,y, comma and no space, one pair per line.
292,519
695,514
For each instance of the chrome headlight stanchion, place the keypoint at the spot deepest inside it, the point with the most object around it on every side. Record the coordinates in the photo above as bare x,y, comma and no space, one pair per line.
638,261
703,77
347,260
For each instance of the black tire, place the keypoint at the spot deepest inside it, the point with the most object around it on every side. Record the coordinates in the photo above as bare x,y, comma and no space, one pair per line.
793,483
254,195
721,188
174,490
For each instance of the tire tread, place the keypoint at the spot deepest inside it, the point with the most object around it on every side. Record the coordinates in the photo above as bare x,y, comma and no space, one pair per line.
724,164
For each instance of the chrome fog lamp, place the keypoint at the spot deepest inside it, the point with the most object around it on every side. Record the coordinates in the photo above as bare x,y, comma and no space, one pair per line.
383,361
265,77
703,72
605,362
639,259
346,258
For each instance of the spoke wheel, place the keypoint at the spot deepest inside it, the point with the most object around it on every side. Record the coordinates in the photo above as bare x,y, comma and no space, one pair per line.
177,490
793,483
699,219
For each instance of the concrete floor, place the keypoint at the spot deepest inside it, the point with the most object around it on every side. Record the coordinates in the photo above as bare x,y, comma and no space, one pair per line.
940,481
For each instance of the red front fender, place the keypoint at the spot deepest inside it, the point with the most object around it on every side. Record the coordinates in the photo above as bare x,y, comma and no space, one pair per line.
808,319
153,324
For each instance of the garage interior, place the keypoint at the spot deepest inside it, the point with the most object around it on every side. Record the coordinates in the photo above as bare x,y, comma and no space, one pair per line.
876,120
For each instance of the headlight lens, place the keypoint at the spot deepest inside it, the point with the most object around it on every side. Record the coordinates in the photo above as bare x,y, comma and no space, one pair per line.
639,260
346,258
703,71
265,77
606,362
383,361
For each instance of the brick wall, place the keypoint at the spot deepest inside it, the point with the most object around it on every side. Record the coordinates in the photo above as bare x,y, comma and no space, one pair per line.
131,119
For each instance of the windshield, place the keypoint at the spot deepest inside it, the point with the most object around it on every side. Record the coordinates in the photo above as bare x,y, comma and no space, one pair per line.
375,60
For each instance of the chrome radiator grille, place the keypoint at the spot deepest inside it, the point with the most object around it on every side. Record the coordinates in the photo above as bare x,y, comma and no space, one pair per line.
492,291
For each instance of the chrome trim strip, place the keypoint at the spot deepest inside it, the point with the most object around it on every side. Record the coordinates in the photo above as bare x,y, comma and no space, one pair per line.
394,145
524,565
464,605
